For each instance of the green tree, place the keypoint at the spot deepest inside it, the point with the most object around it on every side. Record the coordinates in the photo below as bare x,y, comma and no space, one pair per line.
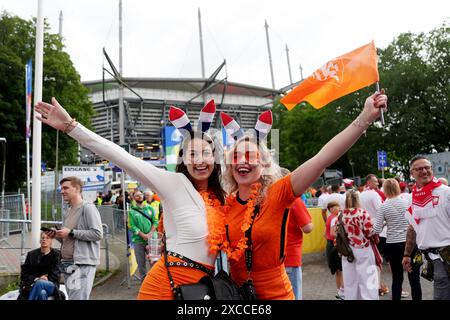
415,71
61,80
415,68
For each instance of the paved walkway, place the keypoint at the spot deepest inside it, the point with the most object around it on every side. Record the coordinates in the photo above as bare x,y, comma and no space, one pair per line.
318,283
116,287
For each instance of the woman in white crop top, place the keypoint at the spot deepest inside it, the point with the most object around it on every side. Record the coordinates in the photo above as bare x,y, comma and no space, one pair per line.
183,195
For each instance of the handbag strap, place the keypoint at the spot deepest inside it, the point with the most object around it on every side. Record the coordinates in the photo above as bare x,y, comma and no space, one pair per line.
143,213
172,284
220,262
248,235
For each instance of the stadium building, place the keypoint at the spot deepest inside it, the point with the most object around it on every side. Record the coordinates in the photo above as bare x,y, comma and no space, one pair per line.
147,102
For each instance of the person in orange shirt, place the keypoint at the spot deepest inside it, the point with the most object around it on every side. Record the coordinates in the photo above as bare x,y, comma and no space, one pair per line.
258,195
299,223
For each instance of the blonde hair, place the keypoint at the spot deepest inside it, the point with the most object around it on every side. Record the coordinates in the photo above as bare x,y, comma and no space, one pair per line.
391,188
271,170
352,199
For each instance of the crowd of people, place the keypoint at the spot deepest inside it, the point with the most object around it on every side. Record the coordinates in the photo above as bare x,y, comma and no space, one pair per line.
380,221
241,203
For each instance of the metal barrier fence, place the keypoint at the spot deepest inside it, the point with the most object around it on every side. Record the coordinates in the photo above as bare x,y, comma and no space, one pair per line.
114,218
24,231
52,205
11,207
312,202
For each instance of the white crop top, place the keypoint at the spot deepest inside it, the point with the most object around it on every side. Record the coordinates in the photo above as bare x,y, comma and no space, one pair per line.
185,221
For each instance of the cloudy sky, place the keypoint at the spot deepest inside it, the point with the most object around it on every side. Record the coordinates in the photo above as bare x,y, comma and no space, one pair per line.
161,39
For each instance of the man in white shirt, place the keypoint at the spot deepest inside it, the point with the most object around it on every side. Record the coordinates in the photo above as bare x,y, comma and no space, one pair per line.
429,218
370,198
334,196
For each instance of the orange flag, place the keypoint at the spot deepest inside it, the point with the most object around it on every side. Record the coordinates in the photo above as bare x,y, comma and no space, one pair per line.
338,77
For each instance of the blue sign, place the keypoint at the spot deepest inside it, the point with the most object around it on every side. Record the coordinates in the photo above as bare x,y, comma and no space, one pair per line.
382,160
172,136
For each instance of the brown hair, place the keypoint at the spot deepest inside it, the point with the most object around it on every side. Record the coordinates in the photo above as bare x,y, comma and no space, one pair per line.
391,188
214,180
74,181
332,204
352,199
370,176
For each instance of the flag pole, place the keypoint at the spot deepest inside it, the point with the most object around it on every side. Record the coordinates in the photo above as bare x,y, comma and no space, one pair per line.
37,131
28,75
381,109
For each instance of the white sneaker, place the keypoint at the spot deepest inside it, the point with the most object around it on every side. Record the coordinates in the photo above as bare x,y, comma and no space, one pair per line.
340,295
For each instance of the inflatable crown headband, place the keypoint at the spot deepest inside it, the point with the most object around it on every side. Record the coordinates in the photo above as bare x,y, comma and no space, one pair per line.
181,121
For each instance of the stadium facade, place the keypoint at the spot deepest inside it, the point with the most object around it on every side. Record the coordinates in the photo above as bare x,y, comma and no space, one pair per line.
147,102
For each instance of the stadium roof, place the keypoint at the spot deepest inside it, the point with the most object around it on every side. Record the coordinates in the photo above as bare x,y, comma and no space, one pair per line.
187,84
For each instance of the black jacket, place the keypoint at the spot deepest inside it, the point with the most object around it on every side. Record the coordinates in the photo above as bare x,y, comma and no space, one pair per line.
36,264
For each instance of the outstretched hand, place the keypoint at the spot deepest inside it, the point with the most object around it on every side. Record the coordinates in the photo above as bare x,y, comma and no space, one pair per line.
53,114
373,104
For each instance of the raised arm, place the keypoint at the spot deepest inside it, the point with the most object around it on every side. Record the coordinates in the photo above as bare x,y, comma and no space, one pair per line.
309,171
154,178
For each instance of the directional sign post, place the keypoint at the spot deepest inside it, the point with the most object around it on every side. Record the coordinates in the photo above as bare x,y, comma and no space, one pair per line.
382,161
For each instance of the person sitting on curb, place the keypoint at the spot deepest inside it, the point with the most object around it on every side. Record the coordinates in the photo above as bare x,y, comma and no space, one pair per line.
39,275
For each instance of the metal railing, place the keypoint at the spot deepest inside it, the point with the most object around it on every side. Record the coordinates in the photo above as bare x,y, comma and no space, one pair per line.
312,202
24,230
115,219
13,207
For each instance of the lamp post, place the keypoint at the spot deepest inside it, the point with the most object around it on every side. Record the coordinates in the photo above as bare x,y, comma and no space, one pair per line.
351,164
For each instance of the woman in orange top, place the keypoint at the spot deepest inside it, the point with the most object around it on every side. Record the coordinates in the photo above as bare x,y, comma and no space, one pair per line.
252,178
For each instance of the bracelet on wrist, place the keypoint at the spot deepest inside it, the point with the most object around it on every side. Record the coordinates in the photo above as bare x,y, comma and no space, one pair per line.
69,124
358,122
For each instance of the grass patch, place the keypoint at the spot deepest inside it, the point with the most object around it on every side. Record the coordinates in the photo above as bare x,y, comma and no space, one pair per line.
9,287
101,273
46,211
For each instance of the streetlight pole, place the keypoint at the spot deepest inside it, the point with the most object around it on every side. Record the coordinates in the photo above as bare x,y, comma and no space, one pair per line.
351,164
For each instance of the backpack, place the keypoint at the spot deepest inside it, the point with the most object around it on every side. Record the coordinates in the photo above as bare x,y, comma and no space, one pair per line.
342,244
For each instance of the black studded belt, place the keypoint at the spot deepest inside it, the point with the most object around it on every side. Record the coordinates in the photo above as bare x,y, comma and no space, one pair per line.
188,263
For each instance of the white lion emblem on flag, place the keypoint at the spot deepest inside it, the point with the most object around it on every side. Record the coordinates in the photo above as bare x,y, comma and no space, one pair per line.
330,70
